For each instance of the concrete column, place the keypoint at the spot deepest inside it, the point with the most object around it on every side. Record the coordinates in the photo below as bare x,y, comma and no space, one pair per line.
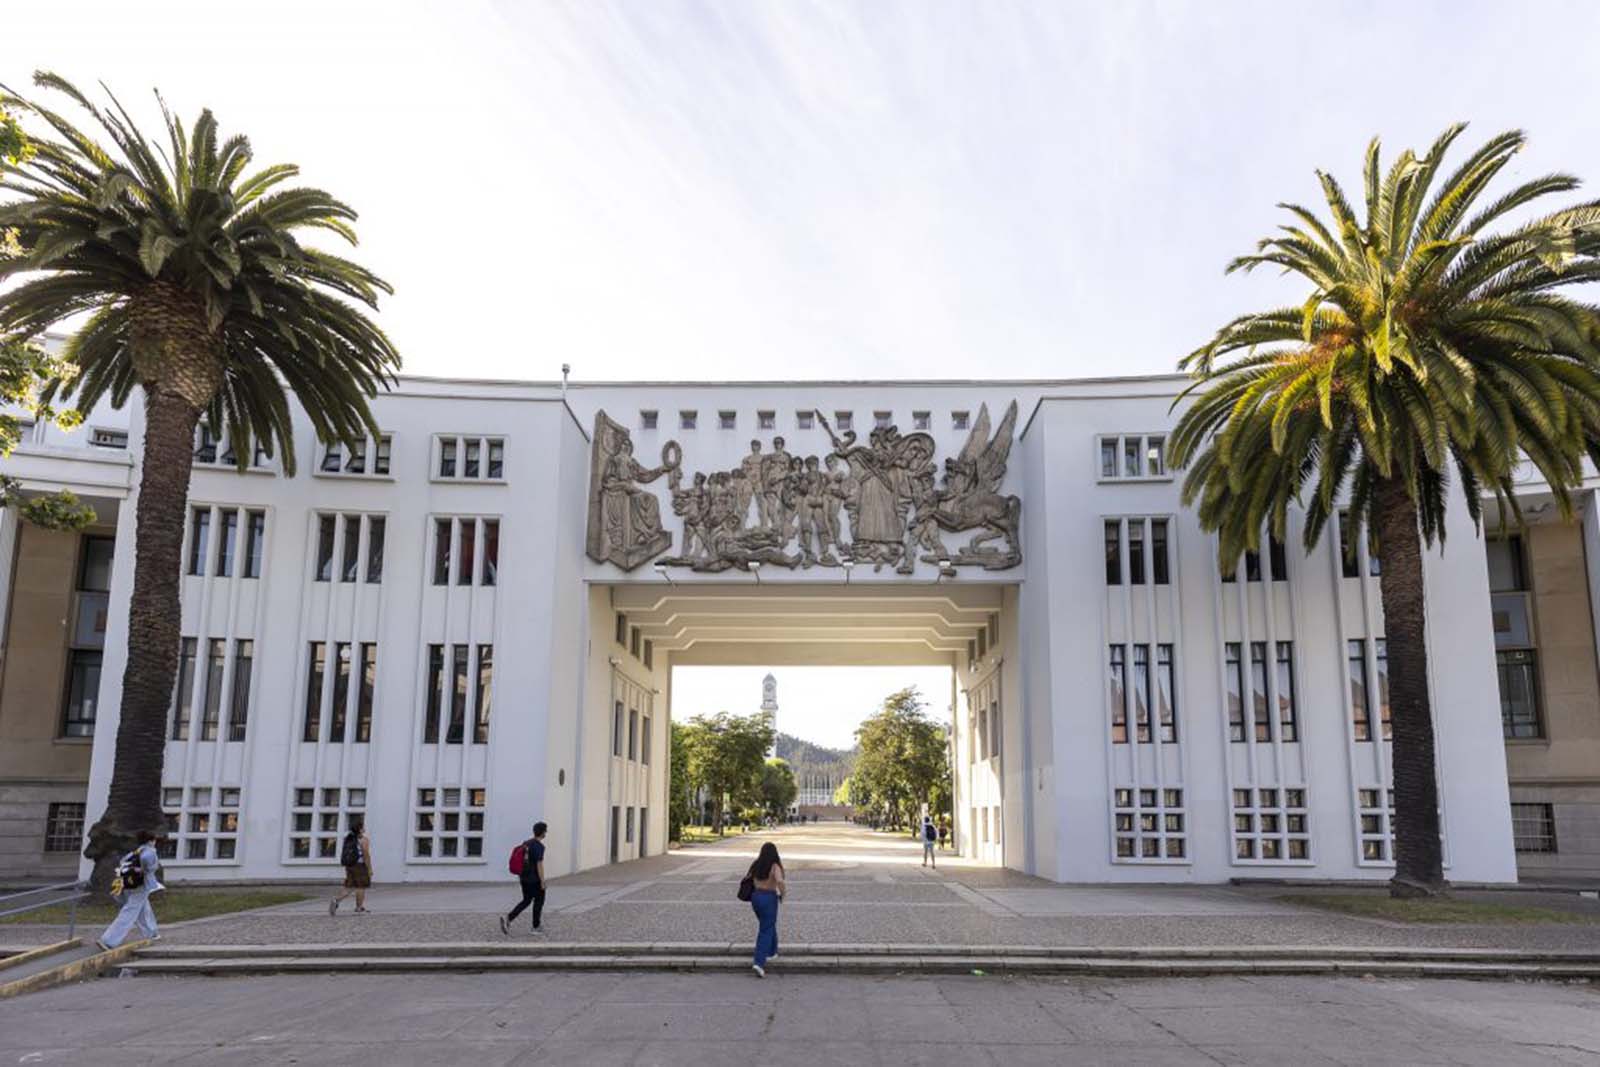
9,520
1590,502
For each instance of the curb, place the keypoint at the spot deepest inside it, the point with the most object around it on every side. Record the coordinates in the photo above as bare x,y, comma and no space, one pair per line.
29,955
88,967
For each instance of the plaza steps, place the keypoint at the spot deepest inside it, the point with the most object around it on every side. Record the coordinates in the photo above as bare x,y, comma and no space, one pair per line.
1130,962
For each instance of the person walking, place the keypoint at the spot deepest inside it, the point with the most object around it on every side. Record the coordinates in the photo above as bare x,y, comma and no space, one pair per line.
137,870
766,873
356,857
944,833
930,838
531,876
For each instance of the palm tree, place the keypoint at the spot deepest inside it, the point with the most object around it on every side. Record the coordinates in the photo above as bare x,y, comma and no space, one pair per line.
1428,348
193,286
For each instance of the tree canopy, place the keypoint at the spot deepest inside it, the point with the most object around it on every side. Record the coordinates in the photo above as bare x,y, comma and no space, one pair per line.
904,761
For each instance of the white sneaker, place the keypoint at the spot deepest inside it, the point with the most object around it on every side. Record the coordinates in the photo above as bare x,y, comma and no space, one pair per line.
772,957
333,906
761,972
538,932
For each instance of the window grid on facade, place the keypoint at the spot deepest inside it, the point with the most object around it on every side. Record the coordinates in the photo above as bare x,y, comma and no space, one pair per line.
1130,457
366,456
1362,695
1515,652
226,542
319,818
1375,814
447,823
1270,825
1349,552
63,827
341,535
1533,827
1147,556
460,458
210,450
1250,564
455,674
466,547
1157,671
202,824
1149,824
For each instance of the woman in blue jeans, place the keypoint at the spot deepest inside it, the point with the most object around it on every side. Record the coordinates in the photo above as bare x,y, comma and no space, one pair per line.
767,873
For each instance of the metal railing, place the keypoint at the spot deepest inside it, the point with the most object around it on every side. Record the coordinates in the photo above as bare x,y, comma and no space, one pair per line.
71,893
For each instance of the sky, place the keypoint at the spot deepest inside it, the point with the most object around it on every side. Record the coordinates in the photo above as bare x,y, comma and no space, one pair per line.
823,705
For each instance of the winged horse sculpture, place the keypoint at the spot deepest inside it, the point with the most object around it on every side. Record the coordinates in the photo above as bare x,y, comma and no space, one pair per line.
969,498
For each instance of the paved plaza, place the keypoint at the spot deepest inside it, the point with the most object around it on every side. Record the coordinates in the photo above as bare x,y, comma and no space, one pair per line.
850,885
709,1019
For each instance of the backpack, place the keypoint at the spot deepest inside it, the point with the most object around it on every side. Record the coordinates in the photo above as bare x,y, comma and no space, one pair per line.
929,833
350,851
519,859
130,870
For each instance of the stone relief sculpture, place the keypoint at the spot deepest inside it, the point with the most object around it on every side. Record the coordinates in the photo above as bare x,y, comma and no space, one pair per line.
883,502
624,517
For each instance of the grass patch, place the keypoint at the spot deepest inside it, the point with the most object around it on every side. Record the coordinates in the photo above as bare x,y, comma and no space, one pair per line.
700,835
1437,910
172,905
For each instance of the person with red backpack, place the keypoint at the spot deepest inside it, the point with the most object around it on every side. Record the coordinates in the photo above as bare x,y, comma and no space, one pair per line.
527,863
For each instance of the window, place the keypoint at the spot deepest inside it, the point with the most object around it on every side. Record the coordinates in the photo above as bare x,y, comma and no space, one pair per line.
455,692
211,713
922,420
1258,691
94,569
649,655
635,645
959,420
341,692
319,818
882,420
1166,695
332,457
1516,658
63,827
205,450
458,695
326,532
1375,814
1533,827
644,742
727,420
441,551
1141,693
1270,825
491,551
1135,553
1276,559
465,557
1153,546
1148,824
1349,560
1133,457
1288,724
202,823
184,702
1118,672
996,732
449,824
366,456
199,536
1113,552
1519,693
1380,648
470,465
83,692
466,532
244,652
484,695
648,419
369,683
1360,701
430,718
616,728
766,420
255,542
447,457
1233,676
1158,552
376,527
687,420
469,458
629,836
633,733
805,420
312,729
844,420
109,438
1162,699
351,567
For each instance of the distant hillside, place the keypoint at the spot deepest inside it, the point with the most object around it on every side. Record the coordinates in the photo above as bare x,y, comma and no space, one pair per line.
797,751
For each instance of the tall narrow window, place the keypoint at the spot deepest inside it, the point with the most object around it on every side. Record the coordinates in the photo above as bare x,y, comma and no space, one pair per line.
616,728
491,551
441,551
1141,693
1360,708
1166,689
497,458
484,696
333,458
633,733
1118,670
325,536
199,538
341,692
357,463
1252,565
369,685
1158,552
1135,552
83,692
1278,558
458,695
447,458
644,741
1233,675
206,451
319,663
255,542
380,460
1380,647
469,465
244,653
352,549
1288,725
1519,692
464,571
226,536
184,705
211,716
1155,456
1113,553
1130,458
1108,457
1258,690
430,720
996,733
375,531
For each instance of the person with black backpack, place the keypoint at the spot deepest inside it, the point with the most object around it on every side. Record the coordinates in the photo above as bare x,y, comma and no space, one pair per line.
930,837
527,863
135,881
355,855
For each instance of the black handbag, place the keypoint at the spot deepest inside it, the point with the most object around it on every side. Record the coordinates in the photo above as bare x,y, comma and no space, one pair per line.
747,888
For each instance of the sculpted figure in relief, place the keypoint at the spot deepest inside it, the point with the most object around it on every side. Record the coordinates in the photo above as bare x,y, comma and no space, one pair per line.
624,517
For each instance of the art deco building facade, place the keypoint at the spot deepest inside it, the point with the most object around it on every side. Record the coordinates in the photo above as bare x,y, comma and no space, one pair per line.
469,622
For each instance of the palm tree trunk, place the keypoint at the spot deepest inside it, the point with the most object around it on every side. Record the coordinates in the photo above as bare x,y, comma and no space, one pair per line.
1419,859
154,621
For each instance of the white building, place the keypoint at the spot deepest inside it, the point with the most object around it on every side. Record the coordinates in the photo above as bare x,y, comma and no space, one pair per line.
415,631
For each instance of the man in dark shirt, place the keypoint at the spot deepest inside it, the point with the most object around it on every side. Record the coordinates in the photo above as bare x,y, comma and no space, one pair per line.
532,878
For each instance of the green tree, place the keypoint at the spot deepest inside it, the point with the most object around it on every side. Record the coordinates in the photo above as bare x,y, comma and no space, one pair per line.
778,787
903,760
680,790
1428,348
195,286
725,755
